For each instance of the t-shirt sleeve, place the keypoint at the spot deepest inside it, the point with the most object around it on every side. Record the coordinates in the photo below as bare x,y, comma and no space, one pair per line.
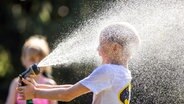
99,79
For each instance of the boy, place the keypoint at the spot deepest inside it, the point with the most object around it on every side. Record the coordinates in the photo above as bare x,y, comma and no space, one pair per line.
110,82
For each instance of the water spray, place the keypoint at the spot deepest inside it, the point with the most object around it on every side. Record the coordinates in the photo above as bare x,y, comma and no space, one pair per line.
157,68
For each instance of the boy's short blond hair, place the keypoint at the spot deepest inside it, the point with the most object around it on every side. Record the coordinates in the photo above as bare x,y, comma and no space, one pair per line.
122,33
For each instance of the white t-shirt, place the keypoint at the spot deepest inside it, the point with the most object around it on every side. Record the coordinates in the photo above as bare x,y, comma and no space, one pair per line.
110,84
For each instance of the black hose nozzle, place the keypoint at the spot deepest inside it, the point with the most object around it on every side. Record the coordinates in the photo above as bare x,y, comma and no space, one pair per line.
32,70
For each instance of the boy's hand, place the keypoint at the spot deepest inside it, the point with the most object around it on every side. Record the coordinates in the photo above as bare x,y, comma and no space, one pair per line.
26,92
32,81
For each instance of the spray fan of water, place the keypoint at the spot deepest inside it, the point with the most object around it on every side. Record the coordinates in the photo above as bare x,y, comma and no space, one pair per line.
157,67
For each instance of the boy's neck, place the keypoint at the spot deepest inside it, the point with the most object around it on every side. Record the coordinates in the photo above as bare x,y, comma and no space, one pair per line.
117,62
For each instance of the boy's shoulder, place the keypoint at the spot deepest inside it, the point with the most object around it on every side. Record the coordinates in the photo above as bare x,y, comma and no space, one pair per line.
105,68
101,69
111,68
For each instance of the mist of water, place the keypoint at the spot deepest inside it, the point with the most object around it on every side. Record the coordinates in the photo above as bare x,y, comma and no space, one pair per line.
157,67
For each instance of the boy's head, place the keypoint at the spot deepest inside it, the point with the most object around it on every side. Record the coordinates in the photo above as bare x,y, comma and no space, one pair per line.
118,41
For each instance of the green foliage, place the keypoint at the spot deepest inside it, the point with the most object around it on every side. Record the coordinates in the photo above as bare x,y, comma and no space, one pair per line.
5,65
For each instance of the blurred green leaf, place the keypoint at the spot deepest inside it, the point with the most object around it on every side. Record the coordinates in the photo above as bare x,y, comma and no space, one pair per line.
5,65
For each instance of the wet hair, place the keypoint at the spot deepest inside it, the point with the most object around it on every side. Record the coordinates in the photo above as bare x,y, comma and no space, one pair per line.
122,33
36,48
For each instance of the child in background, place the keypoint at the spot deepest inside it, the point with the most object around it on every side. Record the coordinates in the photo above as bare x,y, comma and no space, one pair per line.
34,50
110,82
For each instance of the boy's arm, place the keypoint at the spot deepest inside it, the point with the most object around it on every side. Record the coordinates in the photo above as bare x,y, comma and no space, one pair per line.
47,86
61,94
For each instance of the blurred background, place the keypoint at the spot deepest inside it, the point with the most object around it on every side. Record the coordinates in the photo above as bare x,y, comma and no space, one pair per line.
20,19
158,75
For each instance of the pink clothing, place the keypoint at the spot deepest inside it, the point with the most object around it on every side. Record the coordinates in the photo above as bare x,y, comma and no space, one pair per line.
42,80
35,101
